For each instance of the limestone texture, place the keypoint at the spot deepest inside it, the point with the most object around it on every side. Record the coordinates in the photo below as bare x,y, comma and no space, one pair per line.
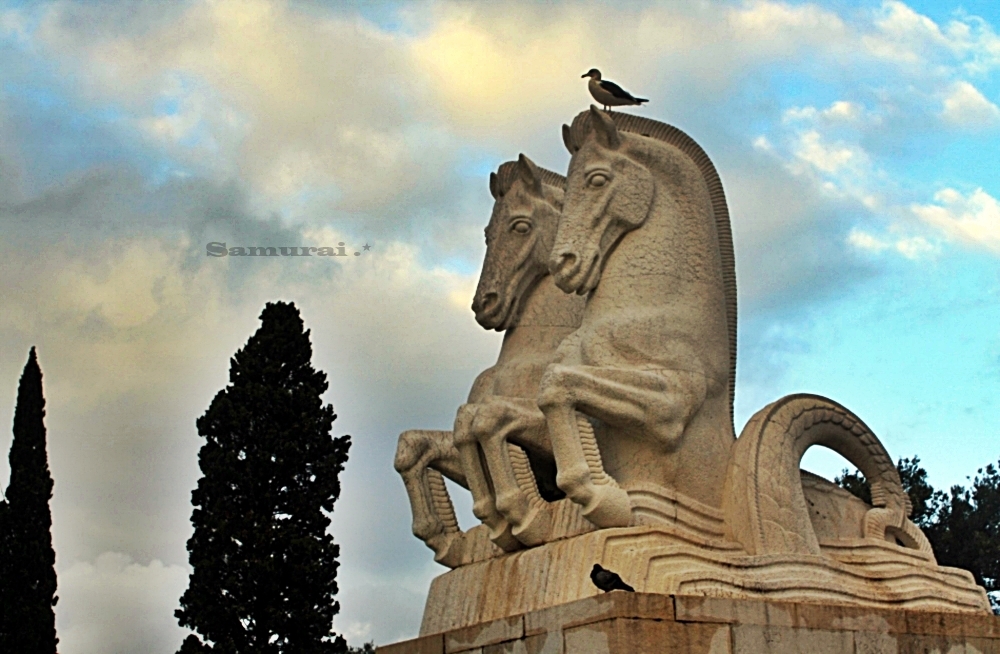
604,435
647,623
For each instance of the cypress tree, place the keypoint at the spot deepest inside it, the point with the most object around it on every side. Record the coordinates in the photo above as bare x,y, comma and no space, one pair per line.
29,621
4,573
264,568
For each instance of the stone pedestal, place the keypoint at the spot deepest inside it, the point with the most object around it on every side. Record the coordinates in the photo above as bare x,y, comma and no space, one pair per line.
640,623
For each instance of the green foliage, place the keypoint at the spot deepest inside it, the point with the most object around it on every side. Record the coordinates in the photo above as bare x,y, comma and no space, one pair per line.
966,530
264,568
963,526
27,619
367,648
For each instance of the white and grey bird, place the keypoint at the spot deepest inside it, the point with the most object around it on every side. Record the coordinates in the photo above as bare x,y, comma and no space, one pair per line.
608,93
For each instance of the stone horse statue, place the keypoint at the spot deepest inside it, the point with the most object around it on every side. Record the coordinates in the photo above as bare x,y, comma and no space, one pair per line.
499,448
645,233
645,236
635,408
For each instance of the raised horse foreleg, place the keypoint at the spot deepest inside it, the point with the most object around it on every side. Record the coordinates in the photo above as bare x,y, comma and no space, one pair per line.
483,504
657,402
421,458
500,426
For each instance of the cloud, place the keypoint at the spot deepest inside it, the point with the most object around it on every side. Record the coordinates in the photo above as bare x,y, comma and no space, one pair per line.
273,90
114,605
911,247
839,111
247,122
965,106
865,241
972,218
903,35
774,23
824,157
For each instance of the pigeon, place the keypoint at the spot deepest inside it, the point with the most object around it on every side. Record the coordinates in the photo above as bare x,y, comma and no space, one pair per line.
608,93
607,580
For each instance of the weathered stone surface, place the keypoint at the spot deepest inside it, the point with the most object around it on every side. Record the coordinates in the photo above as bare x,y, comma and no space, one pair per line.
668,560
604,432
768,639
600,607
515,294
481,635
620,623
433,644
625,635
547,643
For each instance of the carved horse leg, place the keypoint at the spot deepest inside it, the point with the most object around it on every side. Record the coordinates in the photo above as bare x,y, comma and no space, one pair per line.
483,505
421,457
498,424
661,402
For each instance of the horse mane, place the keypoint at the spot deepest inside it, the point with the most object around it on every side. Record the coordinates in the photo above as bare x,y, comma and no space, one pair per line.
671,135
507,173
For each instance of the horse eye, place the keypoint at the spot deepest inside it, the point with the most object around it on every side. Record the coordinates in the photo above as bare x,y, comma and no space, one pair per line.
521,227
598,179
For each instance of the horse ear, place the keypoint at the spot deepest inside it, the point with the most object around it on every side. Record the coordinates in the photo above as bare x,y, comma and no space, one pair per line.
568,139
494,186
607,131
530,174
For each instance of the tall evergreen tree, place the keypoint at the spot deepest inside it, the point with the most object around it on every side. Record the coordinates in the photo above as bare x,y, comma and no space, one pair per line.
264,568
4,573
29,620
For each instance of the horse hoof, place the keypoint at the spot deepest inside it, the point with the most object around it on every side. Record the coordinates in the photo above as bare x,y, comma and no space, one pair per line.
449,549
535,528
502,536
610,507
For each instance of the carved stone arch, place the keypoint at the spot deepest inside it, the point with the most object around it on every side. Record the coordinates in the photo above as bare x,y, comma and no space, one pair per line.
763,502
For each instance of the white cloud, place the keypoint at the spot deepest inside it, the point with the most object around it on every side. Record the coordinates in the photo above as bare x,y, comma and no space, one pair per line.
778,21
135,335
275,91
911,247
114,605
914,247
13,23
865,241
761,143
903,35
973,218
825,157
840,111
965,106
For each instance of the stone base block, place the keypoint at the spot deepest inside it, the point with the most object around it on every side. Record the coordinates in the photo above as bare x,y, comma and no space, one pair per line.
667,560
639,623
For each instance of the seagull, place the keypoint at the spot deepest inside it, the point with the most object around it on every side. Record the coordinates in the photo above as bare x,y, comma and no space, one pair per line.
608,93
607,580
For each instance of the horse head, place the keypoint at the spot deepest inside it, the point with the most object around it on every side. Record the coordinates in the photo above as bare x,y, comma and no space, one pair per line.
608,194
519,237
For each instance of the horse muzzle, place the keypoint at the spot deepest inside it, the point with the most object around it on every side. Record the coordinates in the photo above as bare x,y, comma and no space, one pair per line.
573,273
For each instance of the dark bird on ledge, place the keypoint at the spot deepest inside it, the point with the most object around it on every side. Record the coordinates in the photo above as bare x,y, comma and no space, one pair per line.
607,580
608,93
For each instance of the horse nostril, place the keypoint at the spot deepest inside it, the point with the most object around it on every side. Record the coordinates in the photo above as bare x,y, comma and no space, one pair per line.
564,263
487,303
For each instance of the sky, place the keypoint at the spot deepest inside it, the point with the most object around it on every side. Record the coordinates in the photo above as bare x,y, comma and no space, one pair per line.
857,141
